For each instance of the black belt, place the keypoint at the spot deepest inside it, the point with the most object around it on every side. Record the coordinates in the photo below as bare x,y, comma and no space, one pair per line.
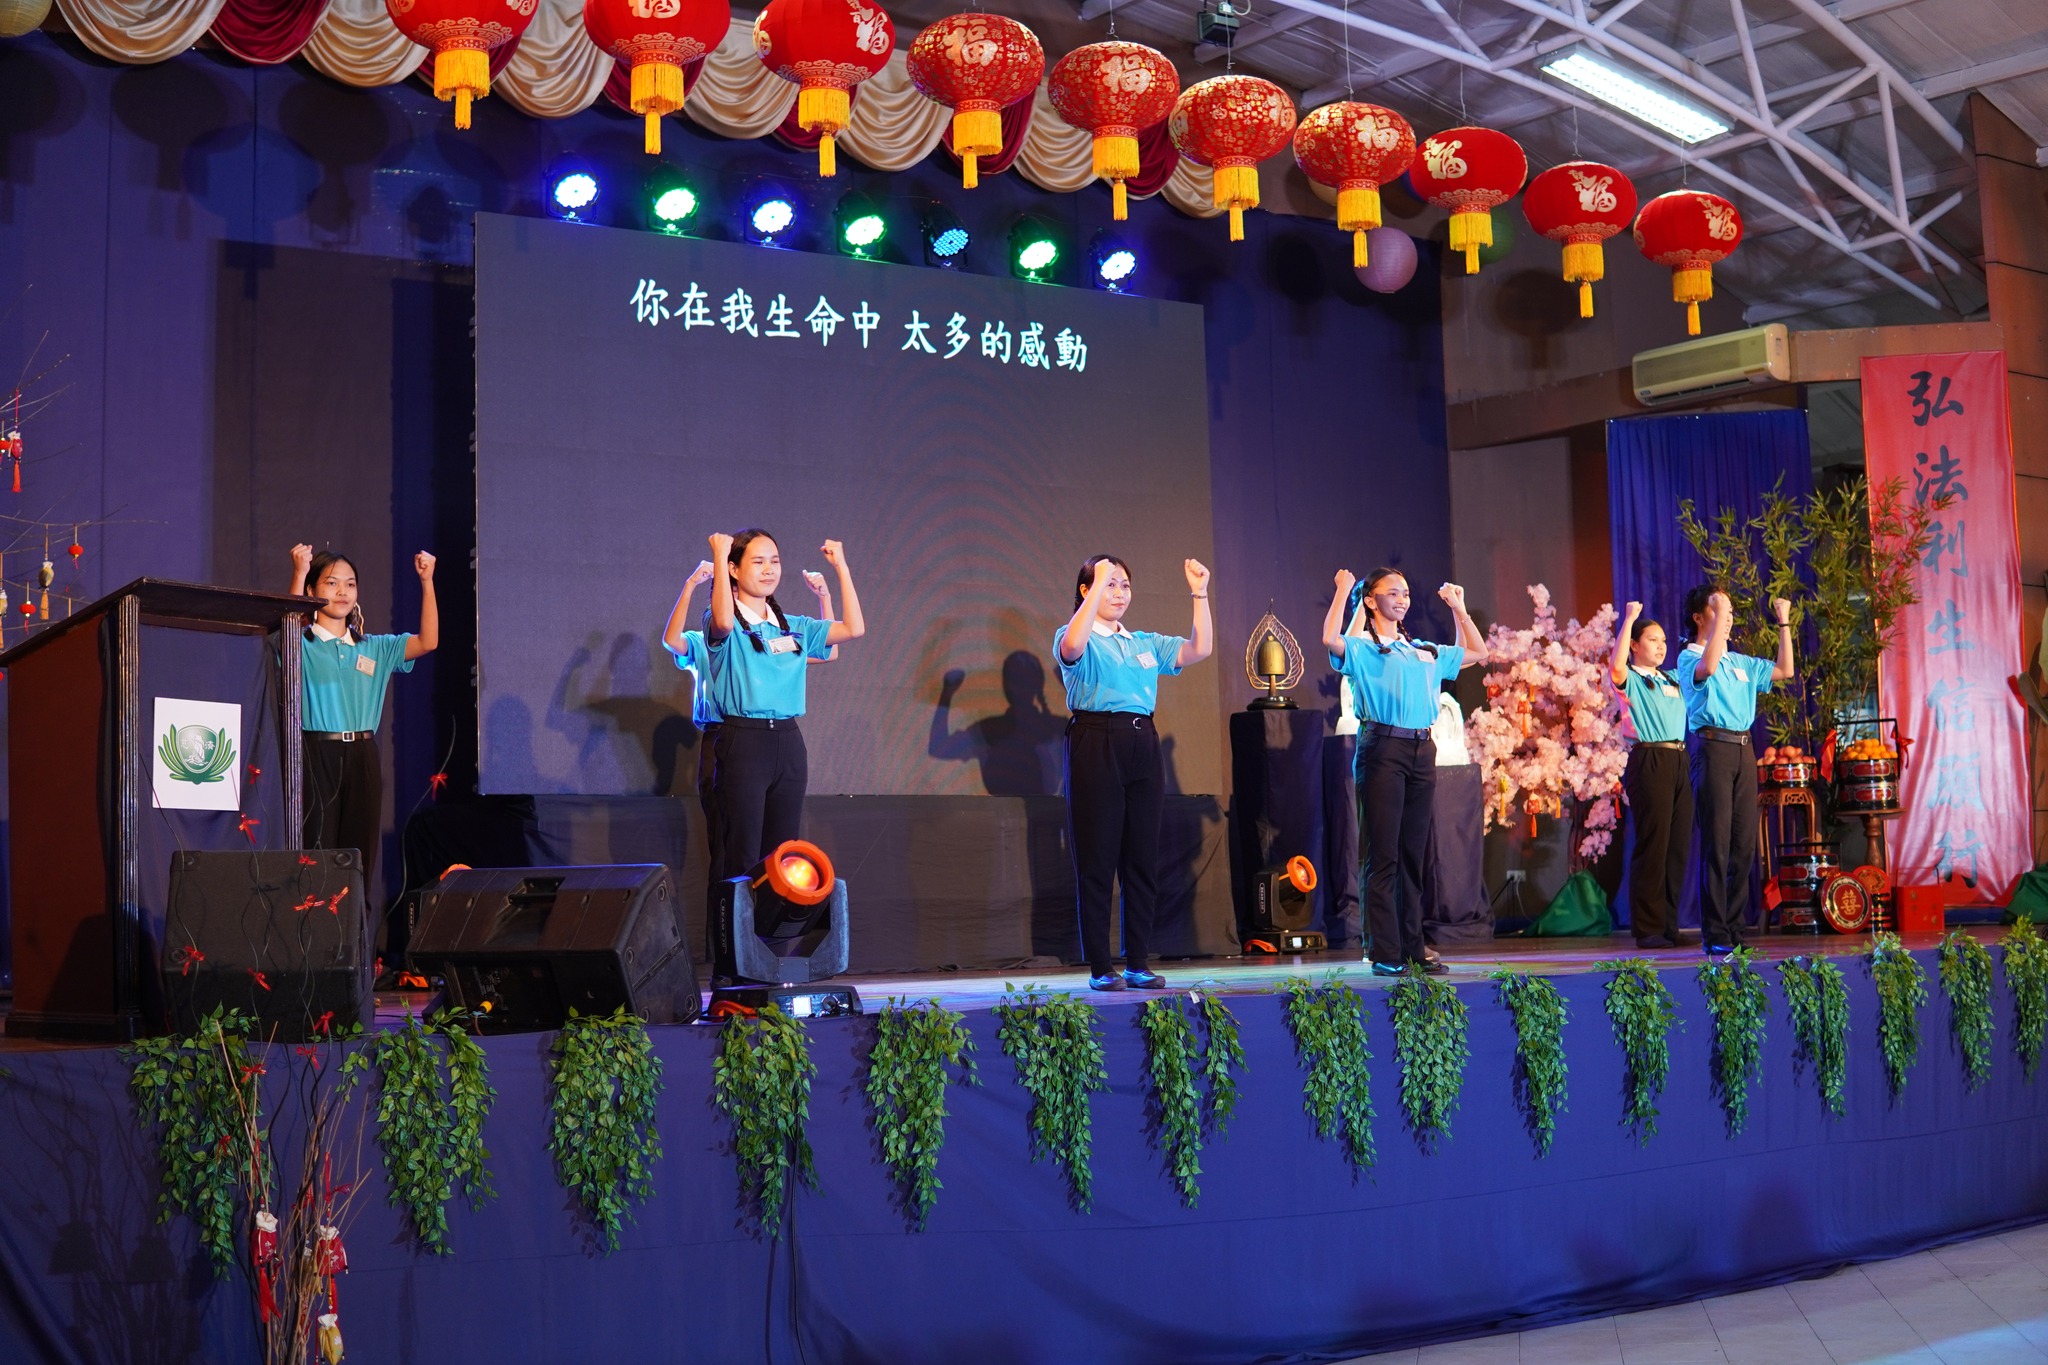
345,736
1725,736
1660,744
760,722
1137,720
1377,730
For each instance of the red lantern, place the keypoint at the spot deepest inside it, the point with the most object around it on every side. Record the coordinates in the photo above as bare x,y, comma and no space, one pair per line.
826,47
1689,230
1114,91
1232,123
461,34
657,39
1469,171
1582,204
977,65
1354,149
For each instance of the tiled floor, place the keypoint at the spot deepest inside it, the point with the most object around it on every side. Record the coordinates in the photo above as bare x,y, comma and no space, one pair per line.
1975,1303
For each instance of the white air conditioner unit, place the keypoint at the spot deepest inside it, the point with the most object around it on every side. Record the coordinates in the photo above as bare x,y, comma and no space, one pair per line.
1694,369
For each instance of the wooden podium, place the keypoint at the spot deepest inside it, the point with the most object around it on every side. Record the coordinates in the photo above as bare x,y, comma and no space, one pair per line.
90,847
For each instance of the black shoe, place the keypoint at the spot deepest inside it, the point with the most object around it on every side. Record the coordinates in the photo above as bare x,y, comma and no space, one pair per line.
1720,950
1681,939
1429,966
1655,941
1108,981
1143,980
1388,969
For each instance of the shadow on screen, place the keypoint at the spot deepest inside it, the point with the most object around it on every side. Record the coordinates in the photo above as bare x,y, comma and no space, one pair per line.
624,737
508,750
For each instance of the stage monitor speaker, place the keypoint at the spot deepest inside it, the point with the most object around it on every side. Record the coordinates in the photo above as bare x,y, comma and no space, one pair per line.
280,935
522,946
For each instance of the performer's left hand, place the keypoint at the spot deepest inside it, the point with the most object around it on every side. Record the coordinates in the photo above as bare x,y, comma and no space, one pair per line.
423,565
1782,609
1198,576
834,552
1453,595
817,582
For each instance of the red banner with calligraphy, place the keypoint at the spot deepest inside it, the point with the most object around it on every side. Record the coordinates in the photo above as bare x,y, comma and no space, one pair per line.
1939,425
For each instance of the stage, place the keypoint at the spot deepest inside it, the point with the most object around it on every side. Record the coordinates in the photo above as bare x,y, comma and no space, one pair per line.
1286,1257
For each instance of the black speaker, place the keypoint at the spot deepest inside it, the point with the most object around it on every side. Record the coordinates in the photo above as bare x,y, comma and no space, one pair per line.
522,946
281,935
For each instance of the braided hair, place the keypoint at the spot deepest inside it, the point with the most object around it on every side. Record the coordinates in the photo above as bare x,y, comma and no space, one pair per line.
1361,590
740,541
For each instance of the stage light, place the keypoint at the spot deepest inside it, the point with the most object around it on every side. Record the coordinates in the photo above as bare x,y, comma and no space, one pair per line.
1034,251
779,928
1630,93
1114,261
671,207
1282,908
861,226
771,218
945,237
572,193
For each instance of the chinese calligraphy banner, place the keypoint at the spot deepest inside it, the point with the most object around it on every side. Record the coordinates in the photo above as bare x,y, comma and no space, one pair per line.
1938,424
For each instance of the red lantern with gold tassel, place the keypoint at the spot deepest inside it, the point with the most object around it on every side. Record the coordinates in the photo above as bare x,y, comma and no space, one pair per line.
825,47
461,35
1354,149
656,39
1689,230
1469,171
1232,123
1114,91
977,65
1582,204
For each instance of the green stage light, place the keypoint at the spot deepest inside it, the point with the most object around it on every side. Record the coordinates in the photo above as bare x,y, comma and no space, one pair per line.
862,229
1034,250
673,207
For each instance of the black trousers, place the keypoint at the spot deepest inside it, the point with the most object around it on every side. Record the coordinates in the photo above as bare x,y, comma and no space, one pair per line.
344,795
1116,789
1396,805
753,790
1660,823
1724,794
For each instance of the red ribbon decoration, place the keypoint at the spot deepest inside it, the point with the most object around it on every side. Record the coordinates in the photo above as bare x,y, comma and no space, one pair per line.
248,826
304,861
436,785
259,981
324,1023
185,957
307,904
334,906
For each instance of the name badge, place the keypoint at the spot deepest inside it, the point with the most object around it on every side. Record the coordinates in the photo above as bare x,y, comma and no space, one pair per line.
366,664
782,644
1741,675
1669,690
1145,659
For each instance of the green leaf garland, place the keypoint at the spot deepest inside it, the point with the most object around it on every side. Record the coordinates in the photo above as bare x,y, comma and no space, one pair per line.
1736,1001
1538,1009
1328,1024
1901,992
1642,1010
195,1090
1818,998
1193,1090
1431,1050
916,1045
1222,1058
430,1120
601,1129
1057,1047
761,1080
2026,976
1966,980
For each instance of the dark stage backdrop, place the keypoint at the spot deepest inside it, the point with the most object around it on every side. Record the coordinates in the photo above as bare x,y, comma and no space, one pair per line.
969,439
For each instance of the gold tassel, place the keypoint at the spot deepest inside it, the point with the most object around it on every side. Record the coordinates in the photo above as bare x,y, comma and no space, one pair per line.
657,90
1119,202
1237,189
1584,262
970,174
976,133
1358,260
828,161
1585,298
464,75
1471,230
1115,157
1692,319
823,109
1236,223
1358,208
1692,286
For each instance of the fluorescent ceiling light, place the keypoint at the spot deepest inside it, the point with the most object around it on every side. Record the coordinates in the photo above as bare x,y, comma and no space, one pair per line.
1635,97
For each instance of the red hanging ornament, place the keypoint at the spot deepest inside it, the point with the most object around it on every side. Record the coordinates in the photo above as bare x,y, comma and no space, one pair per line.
1354,149
461,35
1469,171
1114,91
977,65
1232,123
656,39
329,1257
826,47
1689,230
1582,204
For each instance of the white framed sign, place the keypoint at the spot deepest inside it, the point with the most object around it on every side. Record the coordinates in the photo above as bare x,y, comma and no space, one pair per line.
196,755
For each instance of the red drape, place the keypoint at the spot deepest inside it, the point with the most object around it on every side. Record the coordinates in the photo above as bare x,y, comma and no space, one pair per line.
267,31
1157,158
501,57
790,135
1016,119
618,87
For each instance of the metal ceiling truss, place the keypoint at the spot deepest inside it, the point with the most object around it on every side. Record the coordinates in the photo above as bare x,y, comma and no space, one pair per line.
1828,187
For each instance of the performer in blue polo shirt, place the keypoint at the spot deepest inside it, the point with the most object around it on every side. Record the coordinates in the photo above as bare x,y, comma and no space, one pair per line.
756,657
1395,679
1116,781
1659,792
344,673
1720,689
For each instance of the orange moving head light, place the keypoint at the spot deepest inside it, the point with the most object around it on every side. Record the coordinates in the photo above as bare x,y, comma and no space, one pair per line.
1302,873
798,872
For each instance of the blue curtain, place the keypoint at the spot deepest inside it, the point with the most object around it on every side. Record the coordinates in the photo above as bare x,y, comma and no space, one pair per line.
1717,460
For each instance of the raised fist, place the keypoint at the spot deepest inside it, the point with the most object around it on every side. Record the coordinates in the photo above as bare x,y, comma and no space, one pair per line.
423,565
1198,575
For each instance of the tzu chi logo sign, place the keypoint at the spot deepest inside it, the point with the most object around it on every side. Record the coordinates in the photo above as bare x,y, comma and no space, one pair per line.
197,755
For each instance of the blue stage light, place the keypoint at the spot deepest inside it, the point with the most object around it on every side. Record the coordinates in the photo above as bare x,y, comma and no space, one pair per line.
1114,261
572,194
945,237
771,218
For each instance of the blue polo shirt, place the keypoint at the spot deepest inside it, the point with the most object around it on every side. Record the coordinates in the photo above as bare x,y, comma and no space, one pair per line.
1118,670
694,658
1727,700
1656,706
765,683
343,680
1400,686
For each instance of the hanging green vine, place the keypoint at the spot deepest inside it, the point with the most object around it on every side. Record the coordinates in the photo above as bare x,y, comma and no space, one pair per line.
2026,976
1736,1001
761,1080
915,1047
1054,1041
1966,980
1901,992
601,1130
1431,1051
195,1090
1642,1010
1193,1088
1538,1009
430,1120
1222,1058
1818,998
1328,1024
